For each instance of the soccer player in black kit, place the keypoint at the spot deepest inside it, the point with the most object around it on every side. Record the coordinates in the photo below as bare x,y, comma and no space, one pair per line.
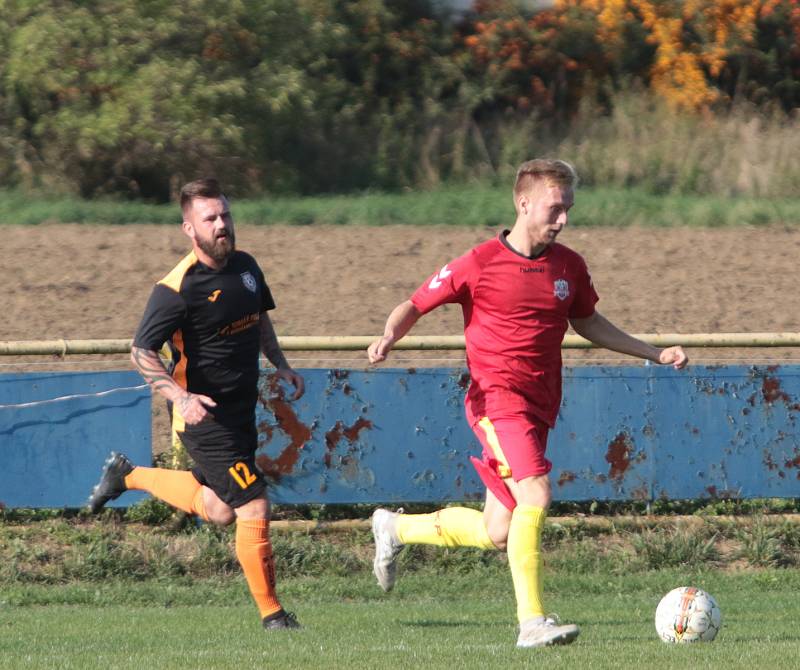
212,307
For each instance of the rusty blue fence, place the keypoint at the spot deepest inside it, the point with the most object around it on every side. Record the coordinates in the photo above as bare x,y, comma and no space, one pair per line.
623,433
399,435
56,430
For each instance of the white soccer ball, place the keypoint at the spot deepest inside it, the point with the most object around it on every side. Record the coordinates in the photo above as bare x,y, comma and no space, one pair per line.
687,614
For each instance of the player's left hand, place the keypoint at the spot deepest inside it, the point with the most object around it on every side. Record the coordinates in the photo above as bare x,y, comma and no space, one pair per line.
293,378
674,356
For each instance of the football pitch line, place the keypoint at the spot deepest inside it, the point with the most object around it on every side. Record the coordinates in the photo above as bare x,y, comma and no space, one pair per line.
347,625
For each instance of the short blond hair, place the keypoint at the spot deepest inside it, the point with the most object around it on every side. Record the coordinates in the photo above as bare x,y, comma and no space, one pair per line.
550,170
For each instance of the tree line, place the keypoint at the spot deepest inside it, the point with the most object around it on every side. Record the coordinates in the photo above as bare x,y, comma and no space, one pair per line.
133,97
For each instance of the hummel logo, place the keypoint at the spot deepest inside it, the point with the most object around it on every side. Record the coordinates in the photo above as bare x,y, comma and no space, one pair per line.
213,297
436,282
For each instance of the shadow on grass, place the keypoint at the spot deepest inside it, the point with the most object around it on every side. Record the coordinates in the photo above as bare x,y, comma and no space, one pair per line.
433,623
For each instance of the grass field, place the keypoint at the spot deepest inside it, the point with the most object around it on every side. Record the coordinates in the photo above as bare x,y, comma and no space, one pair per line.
479,204
431,621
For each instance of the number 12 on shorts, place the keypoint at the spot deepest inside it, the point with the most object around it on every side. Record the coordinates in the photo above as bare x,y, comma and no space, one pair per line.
241,473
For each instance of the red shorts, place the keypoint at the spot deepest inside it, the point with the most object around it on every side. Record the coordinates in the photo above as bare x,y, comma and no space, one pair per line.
514,444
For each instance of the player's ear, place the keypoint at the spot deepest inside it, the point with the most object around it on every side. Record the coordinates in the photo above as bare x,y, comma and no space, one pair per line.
188,229
523,204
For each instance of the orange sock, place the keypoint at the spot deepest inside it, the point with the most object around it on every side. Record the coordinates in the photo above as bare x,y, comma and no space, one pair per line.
199,505
254,551
178,488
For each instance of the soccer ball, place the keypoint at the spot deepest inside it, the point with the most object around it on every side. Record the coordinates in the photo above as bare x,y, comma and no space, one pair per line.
687,614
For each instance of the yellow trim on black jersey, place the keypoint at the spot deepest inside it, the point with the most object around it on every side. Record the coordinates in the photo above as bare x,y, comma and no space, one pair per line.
173,280
179,375
175,277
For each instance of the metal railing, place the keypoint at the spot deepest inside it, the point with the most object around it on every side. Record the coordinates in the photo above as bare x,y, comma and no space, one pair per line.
62,347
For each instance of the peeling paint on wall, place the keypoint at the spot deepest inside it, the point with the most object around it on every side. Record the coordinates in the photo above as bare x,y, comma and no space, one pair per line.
288,423
623,433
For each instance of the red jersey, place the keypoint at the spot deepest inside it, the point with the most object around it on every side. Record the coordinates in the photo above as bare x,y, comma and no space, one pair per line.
515,315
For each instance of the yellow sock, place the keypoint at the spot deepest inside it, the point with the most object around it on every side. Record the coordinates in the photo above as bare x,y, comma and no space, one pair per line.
254,551
178,488
525,559
449,527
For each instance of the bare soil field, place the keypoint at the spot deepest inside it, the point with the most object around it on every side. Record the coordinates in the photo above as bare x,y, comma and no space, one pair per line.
92,281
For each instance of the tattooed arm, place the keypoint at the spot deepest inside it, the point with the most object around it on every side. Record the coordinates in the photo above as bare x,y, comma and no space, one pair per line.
272,350
192,406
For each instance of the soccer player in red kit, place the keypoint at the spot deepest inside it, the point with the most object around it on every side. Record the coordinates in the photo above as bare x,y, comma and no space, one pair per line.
518,292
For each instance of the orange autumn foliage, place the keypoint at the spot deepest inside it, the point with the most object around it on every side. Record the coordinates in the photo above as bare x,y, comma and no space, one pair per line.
692,41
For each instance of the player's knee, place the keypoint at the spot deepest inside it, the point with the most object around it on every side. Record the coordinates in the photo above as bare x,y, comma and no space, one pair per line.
217,511
535,491
257,508
498,534
500,542
222,517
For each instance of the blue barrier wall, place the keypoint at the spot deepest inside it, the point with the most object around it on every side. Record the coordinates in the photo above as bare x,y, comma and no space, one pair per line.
52,453
392,435
623,433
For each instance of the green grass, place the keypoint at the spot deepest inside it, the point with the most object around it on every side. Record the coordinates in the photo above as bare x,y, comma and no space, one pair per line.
68,549
430,621
474,205
113,592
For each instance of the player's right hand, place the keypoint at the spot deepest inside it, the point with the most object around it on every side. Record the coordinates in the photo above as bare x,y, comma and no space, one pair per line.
379,350
192,407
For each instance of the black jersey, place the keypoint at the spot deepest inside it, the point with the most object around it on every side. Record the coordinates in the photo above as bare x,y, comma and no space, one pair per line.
212,319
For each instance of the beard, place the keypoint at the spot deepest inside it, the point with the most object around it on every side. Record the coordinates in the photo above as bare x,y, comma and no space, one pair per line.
219,248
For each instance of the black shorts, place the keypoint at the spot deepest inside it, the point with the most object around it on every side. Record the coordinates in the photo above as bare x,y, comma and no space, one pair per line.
225,460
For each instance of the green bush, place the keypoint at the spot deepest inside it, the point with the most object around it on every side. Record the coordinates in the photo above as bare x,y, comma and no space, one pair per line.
134,98
762,544
150,511
299,553
678,547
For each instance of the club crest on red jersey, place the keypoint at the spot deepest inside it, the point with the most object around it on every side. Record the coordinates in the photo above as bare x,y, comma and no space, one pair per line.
561,289
249,281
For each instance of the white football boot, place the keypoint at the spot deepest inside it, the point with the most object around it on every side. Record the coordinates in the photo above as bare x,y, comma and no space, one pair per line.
544,631
387,547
